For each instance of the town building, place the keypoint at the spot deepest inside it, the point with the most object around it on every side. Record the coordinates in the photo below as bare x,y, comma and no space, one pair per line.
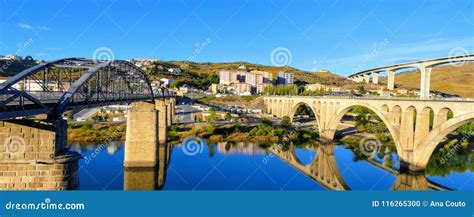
166,82
314,87
243,82
286,78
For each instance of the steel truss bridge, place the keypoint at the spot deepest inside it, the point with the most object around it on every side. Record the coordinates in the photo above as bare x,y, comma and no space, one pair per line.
53,87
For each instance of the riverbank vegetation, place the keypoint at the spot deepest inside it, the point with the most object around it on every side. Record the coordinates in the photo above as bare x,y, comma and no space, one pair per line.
263,132
90,132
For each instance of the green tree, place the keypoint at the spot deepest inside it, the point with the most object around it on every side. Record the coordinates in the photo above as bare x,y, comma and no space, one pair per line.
285,122
228,117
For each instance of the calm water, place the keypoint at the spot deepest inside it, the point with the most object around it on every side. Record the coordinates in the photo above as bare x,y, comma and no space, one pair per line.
246,166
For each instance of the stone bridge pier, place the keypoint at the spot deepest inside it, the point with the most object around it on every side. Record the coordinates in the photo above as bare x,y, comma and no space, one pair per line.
413,132
147,126
34,155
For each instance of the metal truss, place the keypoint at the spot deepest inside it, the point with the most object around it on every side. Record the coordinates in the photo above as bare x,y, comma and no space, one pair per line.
53,87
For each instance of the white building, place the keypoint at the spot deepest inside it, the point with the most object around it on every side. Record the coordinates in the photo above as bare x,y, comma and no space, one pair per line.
165,82
286,78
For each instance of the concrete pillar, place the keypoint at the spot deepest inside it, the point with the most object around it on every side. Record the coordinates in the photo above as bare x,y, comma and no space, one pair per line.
407,138
425,82
375,77
367,78
169,117
390,79
162,121
142,135
274,108
358,78
173,110
34,155
422,126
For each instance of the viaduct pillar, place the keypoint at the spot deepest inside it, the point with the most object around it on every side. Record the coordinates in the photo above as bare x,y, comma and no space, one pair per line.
34,155
375,77
390,79
425,82
366,78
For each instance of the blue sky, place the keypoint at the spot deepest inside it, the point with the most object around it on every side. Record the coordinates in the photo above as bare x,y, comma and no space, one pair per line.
342,36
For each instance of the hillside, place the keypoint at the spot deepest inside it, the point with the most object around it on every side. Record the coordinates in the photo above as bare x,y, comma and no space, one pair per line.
301,77
12,67
451,79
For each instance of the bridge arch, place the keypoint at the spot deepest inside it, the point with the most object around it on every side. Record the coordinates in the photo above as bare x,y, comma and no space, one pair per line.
334,121
436,136
297,105
135,81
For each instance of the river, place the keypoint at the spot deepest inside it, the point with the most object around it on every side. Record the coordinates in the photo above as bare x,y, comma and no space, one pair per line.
198,165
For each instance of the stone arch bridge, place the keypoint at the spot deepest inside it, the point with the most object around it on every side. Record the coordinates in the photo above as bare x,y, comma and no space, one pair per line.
408,120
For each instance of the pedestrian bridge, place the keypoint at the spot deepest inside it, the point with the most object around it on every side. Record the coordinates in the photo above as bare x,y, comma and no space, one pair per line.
408,120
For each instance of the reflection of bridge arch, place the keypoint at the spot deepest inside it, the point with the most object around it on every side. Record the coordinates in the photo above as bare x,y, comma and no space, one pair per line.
323,169
408,120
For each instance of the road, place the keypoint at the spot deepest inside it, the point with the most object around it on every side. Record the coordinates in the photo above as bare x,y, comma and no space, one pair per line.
184,113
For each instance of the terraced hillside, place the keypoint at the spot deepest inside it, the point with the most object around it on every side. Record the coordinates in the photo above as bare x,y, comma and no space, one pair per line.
453,79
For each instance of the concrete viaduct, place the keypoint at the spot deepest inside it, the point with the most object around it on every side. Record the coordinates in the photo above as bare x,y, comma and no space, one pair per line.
424,66
408,120
34,153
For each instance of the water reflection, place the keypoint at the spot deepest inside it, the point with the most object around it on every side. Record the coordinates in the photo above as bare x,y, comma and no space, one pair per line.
149,178
322,169
226,166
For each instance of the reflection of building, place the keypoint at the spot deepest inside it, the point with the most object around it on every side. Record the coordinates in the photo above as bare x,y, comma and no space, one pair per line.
239,147
113,147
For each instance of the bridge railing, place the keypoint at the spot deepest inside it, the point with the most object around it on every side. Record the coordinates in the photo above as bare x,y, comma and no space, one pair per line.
382,98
